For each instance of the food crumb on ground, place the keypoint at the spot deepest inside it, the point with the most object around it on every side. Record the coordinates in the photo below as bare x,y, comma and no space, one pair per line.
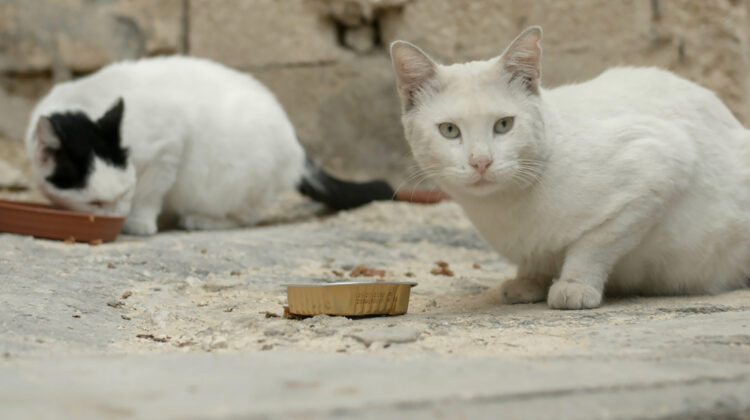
365,271
115,304
125,317
126,294
110,265
70,241
443,270
289,315
477,266
154,338
229,309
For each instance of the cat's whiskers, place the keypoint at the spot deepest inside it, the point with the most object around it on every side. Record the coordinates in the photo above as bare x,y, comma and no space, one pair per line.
419,175
524,173
529,171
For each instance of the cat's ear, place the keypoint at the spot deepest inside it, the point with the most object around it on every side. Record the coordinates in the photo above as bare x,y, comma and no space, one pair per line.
522,60
45,134
110,121
413,69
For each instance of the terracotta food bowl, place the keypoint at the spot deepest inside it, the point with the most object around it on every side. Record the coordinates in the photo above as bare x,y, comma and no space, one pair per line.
421,196
43,221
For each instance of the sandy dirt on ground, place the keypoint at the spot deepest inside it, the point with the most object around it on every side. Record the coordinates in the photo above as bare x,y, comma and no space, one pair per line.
458,314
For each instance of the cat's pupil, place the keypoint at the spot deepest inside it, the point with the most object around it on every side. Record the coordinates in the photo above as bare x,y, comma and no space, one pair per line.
449,130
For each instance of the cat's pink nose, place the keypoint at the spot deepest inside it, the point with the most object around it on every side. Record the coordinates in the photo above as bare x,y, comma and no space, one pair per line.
480,163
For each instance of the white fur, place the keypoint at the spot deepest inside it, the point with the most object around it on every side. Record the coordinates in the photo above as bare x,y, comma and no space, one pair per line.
207,143
636,182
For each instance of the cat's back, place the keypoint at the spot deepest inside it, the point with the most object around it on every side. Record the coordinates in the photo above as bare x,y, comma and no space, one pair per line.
190,92
178,76
640,91
156,81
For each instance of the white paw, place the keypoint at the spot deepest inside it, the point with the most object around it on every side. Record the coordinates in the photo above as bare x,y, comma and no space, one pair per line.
139,226
570,294
523,291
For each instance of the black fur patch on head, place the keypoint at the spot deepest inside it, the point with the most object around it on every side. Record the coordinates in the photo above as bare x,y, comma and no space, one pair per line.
81,139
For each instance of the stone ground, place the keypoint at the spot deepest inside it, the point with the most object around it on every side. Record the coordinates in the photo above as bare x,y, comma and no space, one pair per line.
177,326
183,325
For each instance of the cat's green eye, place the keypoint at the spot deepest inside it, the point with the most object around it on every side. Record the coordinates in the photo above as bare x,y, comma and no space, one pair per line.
449,130
503,125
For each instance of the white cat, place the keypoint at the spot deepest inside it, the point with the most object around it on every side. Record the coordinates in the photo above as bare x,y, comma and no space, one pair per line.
637,181
176,134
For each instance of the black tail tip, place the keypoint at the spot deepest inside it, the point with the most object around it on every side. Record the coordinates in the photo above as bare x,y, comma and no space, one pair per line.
343,195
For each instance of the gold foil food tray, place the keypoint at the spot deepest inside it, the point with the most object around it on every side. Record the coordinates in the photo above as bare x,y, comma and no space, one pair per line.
350,298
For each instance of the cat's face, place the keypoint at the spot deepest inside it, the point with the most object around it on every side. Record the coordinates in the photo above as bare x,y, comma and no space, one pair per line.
79,163
475,127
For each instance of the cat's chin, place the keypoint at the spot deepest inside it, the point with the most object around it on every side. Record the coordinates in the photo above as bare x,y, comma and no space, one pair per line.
482,188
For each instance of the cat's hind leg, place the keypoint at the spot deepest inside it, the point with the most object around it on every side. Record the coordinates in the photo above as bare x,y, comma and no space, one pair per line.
245,212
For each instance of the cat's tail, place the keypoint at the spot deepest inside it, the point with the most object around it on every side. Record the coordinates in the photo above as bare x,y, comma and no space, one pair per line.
338,194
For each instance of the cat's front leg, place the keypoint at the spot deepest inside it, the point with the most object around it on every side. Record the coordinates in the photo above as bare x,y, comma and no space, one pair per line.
155,179
141,222
147,205
590,259
529,286
582,279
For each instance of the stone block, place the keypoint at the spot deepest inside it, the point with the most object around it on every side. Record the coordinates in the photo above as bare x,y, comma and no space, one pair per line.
453,31
253,34
14,114
78,36
347,115
706,42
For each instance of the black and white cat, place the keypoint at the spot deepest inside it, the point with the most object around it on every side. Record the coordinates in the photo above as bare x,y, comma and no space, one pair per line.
184,135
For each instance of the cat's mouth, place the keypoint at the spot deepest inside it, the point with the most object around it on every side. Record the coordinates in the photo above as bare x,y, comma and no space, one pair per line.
482,182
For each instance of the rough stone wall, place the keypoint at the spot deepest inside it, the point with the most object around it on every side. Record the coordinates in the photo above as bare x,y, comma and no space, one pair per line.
327,59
